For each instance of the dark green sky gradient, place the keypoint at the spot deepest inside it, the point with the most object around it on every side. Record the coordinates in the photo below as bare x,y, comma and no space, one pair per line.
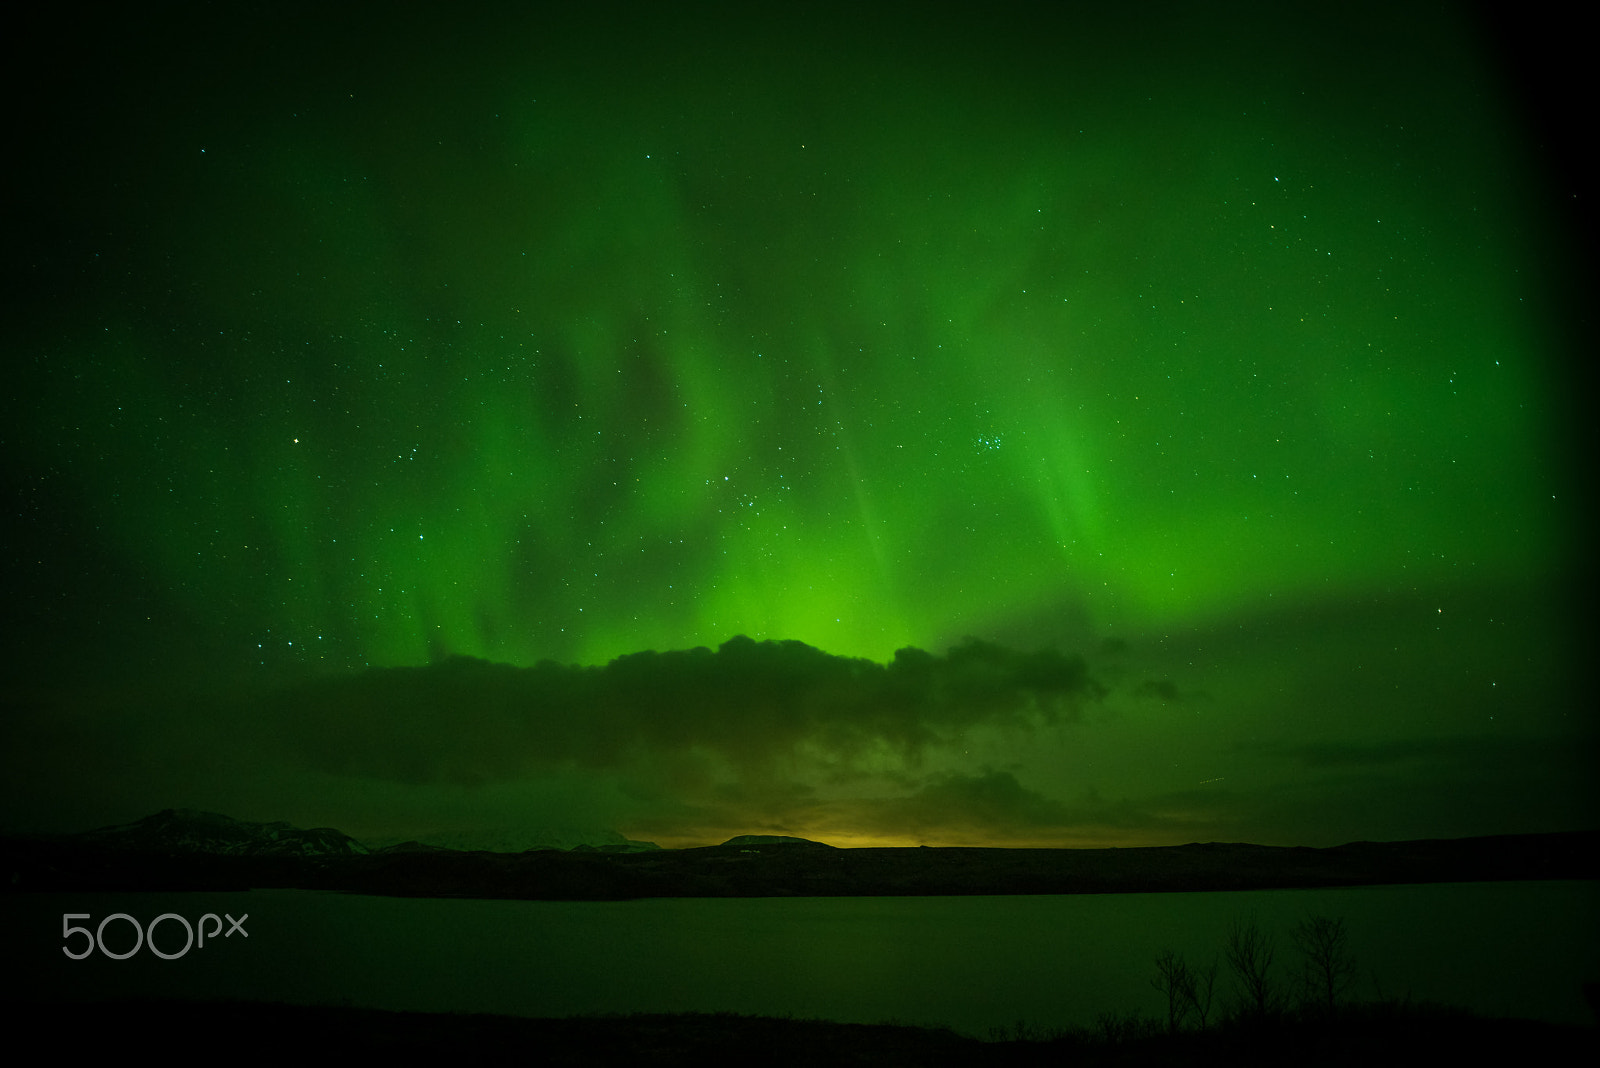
1222,332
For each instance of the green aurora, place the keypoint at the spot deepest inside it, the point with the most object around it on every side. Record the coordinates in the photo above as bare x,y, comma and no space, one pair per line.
1218,348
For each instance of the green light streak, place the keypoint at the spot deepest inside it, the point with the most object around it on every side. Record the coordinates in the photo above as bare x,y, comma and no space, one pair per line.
657,381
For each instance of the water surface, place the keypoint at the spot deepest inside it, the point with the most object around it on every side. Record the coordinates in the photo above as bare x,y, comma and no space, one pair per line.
972,963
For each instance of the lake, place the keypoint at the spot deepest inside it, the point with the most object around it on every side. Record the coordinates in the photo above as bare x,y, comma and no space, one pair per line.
971,963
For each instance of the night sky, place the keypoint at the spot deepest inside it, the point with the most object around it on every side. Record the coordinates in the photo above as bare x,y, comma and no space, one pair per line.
884,424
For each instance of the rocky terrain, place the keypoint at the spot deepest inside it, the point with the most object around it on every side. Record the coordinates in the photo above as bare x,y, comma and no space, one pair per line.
178,850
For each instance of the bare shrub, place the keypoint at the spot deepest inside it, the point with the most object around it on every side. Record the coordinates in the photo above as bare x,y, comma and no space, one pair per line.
1327,969
1176,982
1118,1028
1249,954
1202,986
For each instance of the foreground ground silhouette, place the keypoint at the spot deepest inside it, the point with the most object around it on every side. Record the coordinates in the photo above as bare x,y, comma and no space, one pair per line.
254,1033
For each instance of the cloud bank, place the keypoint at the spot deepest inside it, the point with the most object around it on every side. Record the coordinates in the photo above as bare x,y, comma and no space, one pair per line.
749,708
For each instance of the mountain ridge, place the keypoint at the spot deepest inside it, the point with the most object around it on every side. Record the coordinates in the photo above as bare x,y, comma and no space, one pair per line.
186,830
181,850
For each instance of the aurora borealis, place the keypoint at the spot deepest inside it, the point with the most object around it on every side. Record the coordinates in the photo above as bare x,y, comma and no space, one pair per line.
1222,349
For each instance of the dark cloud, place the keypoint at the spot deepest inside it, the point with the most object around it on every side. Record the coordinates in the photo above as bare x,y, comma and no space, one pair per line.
994,807
746,705
1166,690
1327,793
990,807
994,800
944,807
1475,754
693,746
1379,754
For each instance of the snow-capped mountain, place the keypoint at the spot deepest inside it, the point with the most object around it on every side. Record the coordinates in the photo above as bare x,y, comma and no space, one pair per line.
187,831
191,832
